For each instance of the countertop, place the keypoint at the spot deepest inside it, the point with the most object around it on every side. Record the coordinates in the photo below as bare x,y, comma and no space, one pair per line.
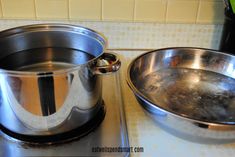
143,132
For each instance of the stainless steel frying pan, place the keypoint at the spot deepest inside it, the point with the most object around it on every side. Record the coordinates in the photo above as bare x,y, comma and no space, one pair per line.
189,92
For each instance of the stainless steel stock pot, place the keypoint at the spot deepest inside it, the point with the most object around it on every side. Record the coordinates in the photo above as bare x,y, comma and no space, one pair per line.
50,77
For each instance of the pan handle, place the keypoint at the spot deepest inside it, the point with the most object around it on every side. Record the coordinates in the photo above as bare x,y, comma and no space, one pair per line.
107,63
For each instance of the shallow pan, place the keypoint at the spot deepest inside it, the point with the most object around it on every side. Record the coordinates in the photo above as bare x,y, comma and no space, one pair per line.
189,92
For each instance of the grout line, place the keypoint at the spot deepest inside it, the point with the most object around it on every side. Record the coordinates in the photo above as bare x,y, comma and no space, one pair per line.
166,13
1,8
134,11
34,5
68,7
198,9
36,15
101,10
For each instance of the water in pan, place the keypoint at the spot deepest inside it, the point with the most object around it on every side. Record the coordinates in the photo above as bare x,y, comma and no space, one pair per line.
44,59
197,94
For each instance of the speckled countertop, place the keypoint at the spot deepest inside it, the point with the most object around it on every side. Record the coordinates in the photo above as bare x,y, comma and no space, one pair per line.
143,132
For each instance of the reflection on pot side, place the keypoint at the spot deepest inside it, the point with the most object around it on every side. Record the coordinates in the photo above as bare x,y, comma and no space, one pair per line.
45,98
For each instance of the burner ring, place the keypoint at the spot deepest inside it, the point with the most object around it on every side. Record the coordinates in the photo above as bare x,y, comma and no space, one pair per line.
74,134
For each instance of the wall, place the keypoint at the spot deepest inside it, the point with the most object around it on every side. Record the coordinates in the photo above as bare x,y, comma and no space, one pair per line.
129,35
169,11
127,24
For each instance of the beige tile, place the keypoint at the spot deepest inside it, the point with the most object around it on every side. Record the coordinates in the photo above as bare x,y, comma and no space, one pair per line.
150,10
210,12
85,9
18,9
182,11
118,10
0,9
51,9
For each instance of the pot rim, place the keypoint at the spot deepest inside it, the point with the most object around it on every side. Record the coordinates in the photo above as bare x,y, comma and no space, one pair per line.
99,37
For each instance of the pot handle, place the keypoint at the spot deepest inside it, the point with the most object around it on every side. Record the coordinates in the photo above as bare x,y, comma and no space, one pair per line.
107,63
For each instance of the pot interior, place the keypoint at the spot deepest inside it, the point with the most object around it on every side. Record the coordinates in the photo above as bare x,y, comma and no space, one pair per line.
45,59
48,47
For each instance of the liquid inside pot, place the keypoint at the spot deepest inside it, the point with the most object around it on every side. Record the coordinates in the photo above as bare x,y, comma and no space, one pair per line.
40,94
44,59
197,94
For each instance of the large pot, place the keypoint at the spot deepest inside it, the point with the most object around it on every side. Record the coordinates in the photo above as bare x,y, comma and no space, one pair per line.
189,92
50,78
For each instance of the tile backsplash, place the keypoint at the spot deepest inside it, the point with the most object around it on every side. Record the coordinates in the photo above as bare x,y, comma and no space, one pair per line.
141,35
18,9
160,11
51,9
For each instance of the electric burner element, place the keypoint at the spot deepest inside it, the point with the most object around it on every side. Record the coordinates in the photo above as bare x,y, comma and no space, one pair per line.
62,137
